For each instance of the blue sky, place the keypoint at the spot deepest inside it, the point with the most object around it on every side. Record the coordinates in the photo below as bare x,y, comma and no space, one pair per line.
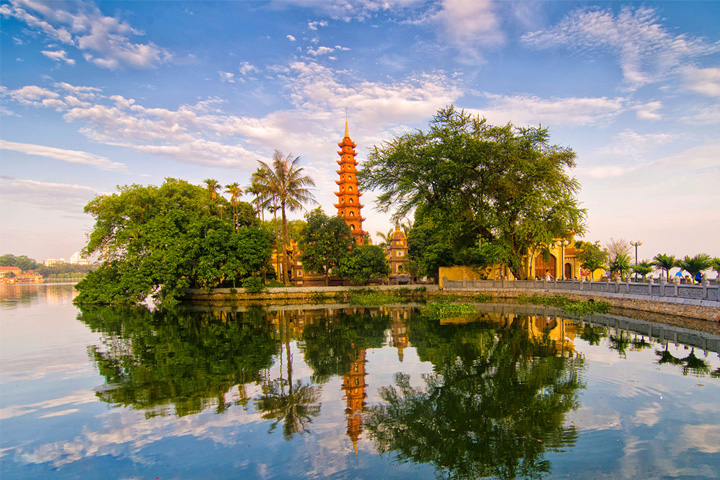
99,94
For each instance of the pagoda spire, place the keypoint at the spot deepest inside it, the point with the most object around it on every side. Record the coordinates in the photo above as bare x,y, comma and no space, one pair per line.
349,206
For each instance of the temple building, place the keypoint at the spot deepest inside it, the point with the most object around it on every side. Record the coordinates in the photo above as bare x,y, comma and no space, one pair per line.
348,194
397,254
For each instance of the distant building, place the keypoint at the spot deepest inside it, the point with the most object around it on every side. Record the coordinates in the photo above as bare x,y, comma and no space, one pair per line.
397,254
78,259
53,261
9,274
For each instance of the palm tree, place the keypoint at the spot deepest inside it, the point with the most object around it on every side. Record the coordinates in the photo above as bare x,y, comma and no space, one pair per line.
212,187
665,262
286,182
643,269
693,265
716,265
235,193
620,264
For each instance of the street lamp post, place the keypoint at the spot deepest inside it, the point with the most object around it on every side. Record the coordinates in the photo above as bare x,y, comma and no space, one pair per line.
636,245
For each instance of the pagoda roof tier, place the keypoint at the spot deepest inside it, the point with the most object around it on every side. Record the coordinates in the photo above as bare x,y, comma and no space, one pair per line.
353,153
345,171
359,194
349,143
343,205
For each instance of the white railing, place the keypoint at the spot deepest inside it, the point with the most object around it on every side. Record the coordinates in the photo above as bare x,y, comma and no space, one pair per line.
672,290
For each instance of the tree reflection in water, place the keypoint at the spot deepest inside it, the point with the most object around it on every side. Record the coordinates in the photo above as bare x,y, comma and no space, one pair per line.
293,407
497,400
187,360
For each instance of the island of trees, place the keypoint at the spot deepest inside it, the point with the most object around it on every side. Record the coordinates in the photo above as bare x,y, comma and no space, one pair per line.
478,194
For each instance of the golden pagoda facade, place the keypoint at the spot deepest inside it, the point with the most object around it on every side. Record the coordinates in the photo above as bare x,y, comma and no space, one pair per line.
349,206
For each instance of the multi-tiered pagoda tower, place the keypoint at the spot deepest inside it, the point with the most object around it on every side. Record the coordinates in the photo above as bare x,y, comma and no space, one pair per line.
348,194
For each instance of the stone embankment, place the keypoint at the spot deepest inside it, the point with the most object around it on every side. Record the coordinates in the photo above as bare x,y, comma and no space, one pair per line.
689,301
295,295
692,301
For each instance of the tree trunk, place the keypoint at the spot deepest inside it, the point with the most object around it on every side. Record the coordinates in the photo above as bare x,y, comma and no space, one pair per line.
284,246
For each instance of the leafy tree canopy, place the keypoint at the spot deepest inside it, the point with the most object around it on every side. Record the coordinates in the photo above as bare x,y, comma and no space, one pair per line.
363,263
325,242
505,184
23,262
161,240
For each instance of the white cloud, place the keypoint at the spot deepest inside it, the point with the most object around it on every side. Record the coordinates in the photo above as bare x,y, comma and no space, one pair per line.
319,51
290,37
315,25
348,10
104,41
632,144
245,68
646,50
648,111
31,94
533,110
58,56
226,77
56,196
705,81
203,134
470,25
70,156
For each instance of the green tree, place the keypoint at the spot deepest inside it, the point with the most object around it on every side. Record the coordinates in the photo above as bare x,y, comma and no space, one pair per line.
235,193
161,240
505,185
666,263
716,266
696,264
363,263
23,262
591,256
643,269
620,265
326,241
286,181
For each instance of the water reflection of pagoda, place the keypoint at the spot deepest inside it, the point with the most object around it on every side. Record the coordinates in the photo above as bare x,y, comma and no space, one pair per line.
399,331
354,387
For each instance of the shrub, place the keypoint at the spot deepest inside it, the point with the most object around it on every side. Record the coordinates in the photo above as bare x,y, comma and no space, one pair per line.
253,284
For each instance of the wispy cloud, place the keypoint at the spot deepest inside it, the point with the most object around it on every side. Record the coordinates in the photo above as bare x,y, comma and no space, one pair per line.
533,110
705,81
70,156
202,134
58,56
646,50
103,41
48,195
470,25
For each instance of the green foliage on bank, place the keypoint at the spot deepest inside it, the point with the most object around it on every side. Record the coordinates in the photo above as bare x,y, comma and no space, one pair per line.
372,298
162,240
448,309
575,307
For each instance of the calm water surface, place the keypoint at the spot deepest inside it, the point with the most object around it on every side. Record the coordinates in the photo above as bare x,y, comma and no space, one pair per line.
331,392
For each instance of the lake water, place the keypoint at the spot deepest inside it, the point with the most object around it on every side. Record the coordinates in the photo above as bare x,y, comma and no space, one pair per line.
331,392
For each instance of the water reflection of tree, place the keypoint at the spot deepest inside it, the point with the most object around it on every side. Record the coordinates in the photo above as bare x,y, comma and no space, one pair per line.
593,334
495,403
294,406
188,360
691,365
331,345
620,343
